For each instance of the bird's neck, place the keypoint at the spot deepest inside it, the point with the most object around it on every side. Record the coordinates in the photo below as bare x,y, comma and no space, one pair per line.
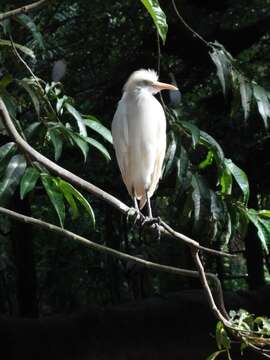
139,93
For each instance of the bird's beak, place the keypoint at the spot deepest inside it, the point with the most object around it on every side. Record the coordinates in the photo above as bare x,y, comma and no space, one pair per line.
163,86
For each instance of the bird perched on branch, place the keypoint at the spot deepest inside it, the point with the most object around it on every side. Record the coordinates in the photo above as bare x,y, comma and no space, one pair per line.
139,135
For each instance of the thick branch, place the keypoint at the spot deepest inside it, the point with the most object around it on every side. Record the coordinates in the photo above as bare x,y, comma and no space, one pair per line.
22,10
85,185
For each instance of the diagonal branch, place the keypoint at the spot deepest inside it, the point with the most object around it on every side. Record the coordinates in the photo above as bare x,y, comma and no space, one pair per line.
112,252
76,180
22,10
90,188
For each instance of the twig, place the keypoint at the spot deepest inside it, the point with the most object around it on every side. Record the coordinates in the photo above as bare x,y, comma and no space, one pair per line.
222,317
87,186
195,34
22,10
192,243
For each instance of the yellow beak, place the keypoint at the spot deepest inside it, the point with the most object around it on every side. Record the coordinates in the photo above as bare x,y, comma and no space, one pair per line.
163,86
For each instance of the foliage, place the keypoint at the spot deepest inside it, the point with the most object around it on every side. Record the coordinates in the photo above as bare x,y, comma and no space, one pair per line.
253,330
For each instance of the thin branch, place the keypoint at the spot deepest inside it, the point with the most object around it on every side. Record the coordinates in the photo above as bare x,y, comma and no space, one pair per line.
85,185
195,34
104,249
22,10
222,317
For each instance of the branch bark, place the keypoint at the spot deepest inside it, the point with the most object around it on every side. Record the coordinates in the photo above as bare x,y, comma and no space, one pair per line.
22,10
115,253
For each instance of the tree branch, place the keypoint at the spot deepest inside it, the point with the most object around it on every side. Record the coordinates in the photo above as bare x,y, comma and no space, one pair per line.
85,185
112,252
22,10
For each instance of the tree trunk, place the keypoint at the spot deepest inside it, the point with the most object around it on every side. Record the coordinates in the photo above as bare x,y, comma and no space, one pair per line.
21,238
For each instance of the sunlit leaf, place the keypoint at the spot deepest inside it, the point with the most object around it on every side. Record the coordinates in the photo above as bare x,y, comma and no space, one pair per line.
55,196
57,142
22,48
226,182
12,177
240,177
262,98
212,145
80,142
223,66
95,125
98,146
67,188
194,131
158,16
33,95
28,181
77,116
170,154
207,161
262,229
246,94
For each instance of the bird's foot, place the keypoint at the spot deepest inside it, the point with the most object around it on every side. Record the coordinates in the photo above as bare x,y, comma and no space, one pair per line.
150,221
135,215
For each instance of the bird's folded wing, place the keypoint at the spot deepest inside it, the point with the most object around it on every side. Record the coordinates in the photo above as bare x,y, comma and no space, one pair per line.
120,140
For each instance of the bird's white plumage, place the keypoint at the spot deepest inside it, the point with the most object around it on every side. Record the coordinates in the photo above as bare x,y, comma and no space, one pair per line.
139,135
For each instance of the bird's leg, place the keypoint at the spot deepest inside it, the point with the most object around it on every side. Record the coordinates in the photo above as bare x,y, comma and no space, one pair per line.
149,206
134,212
150,220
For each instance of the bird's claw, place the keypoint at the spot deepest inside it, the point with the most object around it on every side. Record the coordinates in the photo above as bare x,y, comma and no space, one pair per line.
150,221
134,214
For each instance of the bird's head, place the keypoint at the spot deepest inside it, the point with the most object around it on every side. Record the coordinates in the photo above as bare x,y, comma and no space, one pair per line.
146,80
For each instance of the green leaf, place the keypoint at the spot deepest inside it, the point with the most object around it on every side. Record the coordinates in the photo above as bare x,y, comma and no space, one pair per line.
31,129
223,66
225,181
57,143
207,161
5,81
264,214
246,94
215,355
69,189
77,116
22,48
262,98
56,197
158,16
80,142
195,132
28,181
31,92
94,124
170,155
222,338
201,199
262,229
29,24
60,104
98,146
211,144
12,177
240,177
6,150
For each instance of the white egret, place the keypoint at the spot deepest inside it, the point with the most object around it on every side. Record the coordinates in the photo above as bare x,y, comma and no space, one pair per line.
139,135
